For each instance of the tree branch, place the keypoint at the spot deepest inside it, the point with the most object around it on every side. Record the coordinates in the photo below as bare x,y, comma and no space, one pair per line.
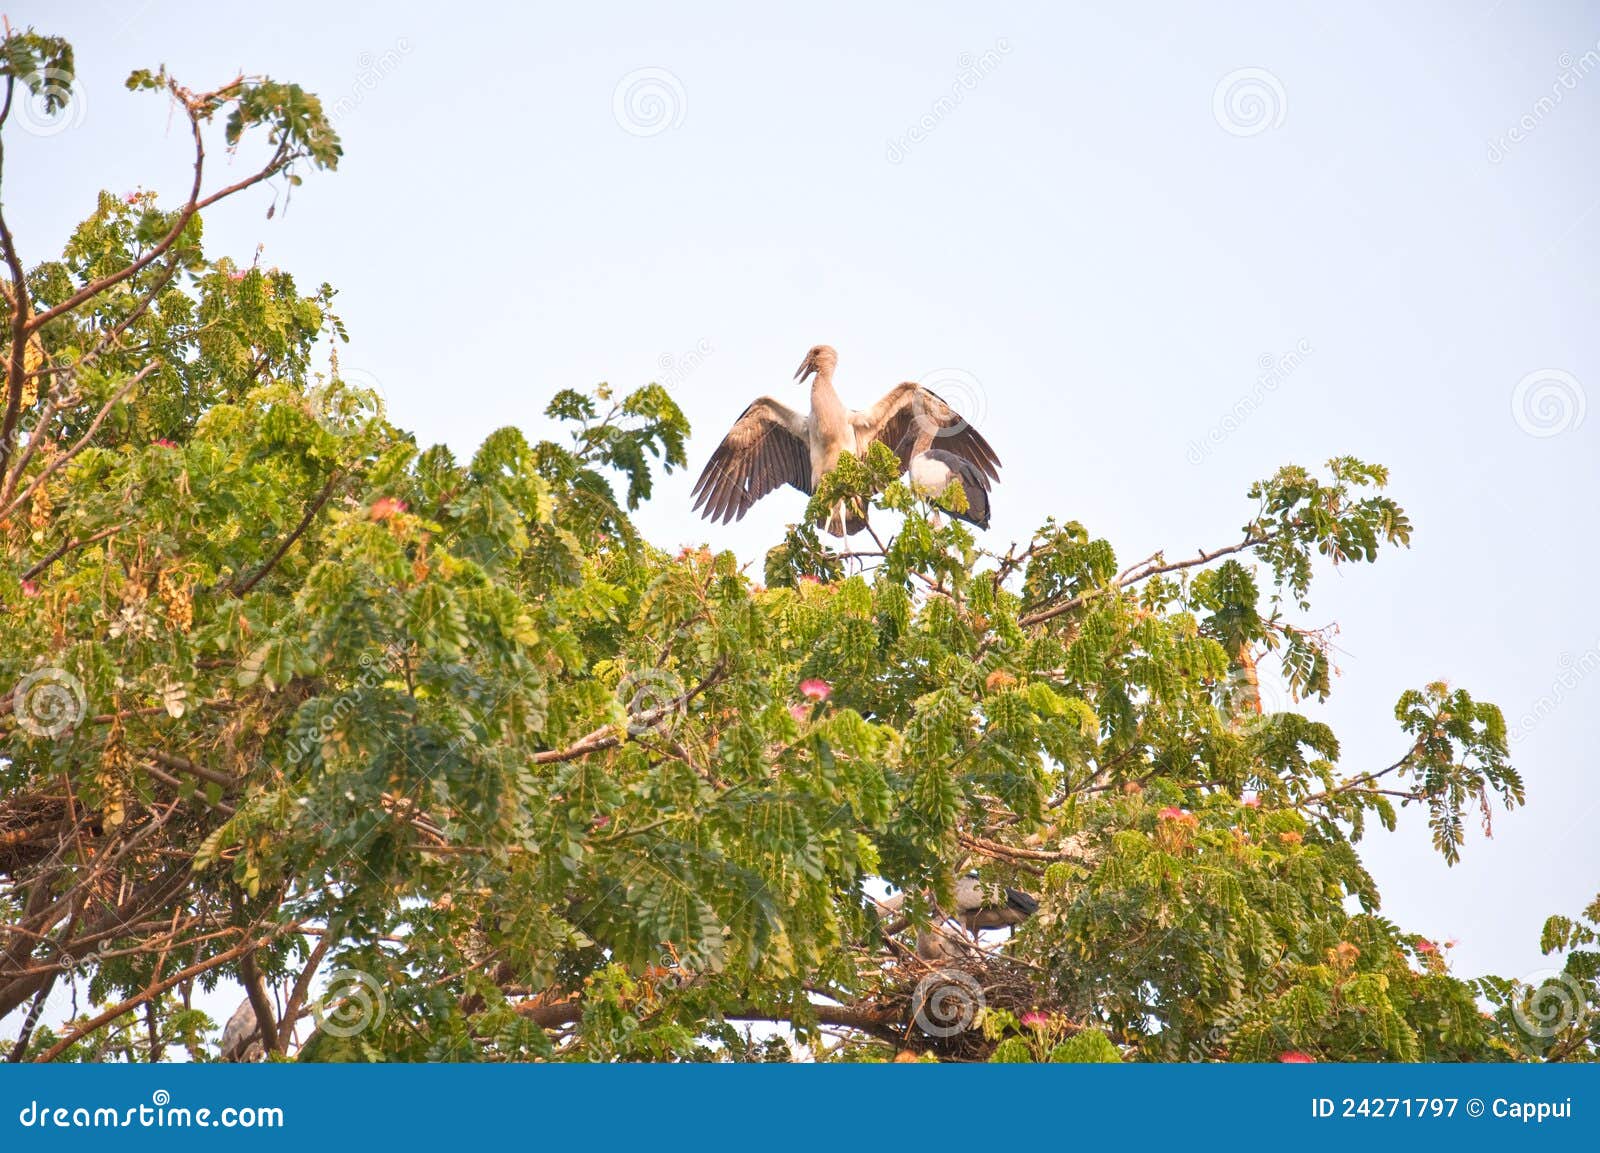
297,996
881,1023
1139,573
16,365
288,542
79,1032
54,555
78,446
607,736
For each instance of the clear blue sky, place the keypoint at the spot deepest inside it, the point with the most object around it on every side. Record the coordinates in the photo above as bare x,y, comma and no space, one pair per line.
1093,234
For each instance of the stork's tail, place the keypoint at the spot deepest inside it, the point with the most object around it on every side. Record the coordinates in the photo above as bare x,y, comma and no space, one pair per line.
847,519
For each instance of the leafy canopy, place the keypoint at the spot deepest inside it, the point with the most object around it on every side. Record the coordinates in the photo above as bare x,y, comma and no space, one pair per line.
440,759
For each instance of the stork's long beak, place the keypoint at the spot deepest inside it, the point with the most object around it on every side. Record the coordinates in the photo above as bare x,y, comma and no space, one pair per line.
805,370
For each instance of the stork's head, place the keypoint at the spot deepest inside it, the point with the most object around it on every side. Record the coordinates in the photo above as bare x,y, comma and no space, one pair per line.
821,359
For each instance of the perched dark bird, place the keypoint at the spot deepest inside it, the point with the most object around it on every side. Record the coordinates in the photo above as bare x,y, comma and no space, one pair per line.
984,906
772,445
935,471
241,1036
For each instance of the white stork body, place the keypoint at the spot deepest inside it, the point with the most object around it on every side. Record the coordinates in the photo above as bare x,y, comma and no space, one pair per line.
829,430
830,433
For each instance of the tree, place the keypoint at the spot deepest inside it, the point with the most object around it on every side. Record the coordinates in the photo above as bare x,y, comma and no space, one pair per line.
439,759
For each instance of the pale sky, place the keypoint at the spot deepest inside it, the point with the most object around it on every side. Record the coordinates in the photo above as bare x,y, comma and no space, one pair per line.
1116,215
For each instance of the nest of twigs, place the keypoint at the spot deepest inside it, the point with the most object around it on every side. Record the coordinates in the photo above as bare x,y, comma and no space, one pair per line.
941,1003
31,826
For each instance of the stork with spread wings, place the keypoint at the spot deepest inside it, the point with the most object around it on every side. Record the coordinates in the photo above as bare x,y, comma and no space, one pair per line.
771,445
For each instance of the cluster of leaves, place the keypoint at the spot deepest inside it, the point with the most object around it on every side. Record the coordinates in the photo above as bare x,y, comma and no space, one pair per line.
343,703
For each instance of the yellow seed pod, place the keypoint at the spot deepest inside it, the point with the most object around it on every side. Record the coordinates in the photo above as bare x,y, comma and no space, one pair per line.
173,588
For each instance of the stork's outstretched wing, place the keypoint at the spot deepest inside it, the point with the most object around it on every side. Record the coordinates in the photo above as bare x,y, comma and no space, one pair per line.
910,419
765,448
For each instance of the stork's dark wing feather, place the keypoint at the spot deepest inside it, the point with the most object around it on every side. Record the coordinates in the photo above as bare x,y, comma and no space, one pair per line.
1025,903
911,419
987,906
765,448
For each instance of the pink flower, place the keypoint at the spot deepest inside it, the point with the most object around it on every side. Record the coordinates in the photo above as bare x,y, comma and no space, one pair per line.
1036,1020
1252,802
1295,1057
164,443
30,589
815,689
1178,817
130,198
387,506
1427,948
239,275
800,713
808,579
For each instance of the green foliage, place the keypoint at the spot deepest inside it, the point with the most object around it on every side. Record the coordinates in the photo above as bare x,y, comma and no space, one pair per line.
43,64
